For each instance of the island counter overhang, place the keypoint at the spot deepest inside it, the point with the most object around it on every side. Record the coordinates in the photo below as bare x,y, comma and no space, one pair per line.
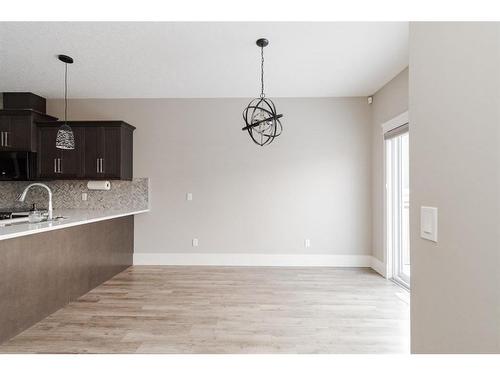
45,266
71,217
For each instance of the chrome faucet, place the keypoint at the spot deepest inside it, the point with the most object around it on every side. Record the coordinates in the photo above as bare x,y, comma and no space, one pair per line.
22,196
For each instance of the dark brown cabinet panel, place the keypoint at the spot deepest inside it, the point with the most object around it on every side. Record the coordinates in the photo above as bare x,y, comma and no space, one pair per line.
103,151
4,129
112,152
54,163
92,158
72,160
48,154
15,133
18,130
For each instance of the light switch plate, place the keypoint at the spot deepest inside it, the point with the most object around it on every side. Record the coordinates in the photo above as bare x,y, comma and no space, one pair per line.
195,242
189,196
429,223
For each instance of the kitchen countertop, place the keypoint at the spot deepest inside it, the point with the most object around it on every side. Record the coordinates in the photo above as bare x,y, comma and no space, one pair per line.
72,217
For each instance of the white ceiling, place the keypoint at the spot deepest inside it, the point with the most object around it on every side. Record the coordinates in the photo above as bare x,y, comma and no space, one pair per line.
216,59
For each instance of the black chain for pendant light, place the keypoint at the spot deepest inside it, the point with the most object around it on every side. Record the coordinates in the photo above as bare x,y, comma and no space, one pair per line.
262,95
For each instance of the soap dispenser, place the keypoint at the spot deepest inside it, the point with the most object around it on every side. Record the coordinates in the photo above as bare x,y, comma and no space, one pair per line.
35,215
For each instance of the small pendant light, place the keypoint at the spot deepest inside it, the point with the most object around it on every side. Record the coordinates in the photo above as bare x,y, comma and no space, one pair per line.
262,121
65,138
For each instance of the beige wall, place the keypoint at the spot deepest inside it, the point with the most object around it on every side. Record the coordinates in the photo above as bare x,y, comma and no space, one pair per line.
313,182
455,166
388,102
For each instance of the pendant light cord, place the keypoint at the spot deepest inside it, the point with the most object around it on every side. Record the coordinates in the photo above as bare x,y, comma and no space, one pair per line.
262,95
65,93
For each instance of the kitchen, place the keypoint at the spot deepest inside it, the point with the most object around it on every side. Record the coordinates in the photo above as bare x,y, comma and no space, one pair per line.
67,215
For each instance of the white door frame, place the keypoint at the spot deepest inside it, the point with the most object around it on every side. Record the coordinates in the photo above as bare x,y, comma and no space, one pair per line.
400,120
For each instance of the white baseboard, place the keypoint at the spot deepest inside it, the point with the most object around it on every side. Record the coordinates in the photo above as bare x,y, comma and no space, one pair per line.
231,259
378,266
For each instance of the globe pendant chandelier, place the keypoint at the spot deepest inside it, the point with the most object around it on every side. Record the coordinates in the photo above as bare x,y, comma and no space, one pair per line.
262,121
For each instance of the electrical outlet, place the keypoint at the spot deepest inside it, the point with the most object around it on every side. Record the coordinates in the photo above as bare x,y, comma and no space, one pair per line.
307,242
84,196
195,242
189,196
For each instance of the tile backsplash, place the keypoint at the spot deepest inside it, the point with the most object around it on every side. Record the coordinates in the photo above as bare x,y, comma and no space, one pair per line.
68,194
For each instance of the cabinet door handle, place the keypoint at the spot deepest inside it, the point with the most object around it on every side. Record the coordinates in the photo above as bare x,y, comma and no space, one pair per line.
57,165
97,167
102,165
4,140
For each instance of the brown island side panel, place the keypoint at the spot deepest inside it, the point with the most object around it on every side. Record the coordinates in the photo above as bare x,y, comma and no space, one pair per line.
40,273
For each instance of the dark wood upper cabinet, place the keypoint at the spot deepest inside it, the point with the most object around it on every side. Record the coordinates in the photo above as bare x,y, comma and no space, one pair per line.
47,165
104,150
112,153
54,163
71,165
18,129
92,152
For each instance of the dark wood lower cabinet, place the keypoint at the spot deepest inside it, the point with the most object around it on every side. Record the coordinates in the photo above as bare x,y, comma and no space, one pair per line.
40,273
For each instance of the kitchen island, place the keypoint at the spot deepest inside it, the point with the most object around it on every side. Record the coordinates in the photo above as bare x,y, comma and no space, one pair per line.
47,265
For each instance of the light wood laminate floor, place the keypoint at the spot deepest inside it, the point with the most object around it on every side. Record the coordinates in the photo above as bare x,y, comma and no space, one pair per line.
155,309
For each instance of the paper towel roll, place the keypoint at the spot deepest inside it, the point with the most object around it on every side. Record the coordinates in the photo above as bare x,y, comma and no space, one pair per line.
99,185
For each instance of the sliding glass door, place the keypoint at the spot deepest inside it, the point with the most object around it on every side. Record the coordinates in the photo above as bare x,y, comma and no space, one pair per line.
398,204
